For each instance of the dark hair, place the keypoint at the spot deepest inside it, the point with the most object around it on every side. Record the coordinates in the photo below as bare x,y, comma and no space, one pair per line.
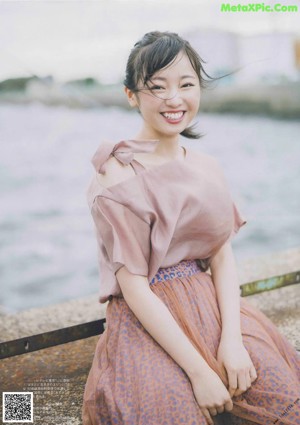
155,51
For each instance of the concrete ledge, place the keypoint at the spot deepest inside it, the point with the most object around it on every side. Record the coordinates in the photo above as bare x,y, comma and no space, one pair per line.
68,364
38,320
73,312
56,376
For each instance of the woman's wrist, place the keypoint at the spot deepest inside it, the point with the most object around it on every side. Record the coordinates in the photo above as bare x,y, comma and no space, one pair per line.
197,368
228,334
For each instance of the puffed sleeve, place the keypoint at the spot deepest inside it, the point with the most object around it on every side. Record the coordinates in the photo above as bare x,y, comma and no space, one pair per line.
123,237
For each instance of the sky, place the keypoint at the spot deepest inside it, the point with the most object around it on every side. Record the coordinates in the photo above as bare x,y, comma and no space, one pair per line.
76,39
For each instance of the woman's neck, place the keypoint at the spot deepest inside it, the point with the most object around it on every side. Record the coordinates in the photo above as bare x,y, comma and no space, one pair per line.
168,147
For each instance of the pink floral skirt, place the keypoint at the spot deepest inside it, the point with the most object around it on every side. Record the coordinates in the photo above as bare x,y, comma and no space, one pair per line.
133,381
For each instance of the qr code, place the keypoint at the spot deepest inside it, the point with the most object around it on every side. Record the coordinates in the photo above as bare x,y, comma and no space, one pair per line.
17,407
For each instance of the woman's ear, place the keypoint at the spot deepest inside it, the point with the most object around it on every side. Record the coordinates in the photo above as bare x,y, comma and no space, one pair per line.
131,97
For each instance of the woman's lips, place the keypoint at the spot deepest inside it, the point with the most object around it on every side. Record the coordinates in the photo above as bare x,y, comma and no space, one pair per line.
173,117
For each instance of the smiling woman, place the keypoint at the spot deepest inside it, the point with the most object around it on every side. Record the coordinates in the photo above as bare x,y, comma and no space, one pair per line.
172,105
167,69
180,346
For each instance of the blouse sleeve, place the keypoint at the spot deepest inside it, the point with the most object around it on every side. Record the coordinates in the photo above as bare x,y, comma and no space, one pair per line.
123,237
238,221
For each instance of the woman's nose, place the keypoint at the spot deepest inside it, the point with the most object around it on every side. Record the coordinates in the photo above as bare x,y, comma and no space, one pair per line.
173,99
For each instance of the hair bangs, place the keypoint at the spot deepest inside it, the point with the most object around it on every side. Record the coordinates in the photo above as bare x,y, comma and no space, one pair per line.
157,56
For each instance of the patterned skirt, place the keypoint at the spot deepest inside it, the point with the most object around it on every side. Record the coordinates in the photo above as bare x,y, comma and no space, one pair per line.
133,380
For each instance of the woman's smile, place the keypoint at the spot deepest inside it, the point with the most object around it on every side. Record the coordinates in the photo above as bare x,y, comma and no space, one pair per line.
173,117
169,101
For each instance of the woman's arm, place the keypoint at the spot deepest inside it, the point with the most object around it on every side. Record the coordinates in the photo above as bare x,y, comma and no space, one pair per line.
231,351
224,275
210,392
159,322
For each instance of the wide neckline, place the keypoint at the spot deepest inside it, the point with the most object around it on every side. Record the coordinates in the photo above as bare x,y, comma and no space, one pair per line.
180,159
146,170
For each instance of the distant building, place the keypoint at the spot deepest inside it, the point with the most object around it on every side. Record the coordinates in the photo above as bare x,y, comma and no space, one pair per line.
269,58
219,49
297,53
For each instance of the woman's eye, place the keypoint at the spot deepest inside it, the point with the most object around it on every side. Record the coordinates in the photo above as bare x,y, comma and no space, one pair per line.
188,85
156,88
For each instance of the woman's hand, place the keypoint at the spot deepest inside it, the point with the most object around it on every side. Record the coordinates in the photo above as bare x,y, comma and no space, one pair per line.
234,357
211,395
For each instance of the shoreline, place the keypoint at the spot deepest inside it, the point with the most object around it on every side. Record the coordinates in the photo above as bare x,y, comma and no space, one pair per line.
281,101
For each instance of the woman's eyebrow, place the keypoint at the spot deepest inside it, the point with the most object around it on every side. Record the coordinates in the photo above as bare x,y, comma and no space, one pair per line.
165,79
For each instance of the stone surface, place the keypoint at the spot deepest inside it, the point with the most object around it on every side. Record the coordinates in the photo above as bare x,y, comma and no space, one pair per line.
56,376
38,320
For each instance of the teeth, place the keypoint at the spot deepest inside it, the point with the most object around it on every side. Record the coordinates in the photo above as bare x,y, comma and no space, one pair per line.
173,116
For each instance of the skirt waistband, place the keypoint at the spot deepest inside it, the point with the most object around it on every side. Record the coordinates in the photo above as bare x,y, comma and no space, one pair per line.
182,269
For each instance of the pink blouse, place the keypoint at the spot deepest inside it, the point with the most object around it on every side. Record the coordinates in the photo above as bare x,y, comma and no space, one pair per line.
178,210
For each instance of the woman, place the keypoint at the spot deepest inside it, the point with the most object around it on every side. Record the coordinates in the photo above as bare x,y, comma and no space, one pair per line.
180,345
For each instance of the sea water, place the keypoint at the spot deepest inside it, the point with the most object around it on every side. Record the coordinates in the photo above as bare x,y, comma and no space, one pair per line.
48,246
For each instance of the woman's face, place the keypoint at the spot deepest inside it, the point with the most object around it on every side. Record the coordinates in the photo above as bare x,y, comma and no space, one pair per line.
173,101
